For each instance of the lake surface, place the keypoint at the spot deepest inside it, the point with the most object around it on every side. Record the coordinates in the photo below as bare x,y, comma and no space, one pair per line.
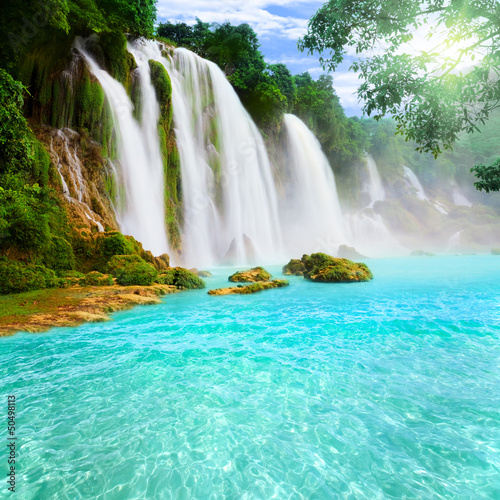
386,389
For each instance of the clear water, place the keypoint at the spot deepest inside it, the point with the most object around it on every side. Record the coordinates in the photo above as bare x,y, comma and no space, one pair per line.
387,389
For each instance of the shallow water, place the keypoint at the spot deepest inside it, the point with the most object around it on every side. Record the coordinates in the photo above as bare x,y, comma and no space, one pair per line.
386,389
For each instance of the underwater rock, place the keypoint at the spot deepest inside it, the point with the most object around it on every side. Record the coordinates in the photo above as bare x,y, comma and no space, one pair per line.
250,275
295,266
323,268
346,252
253,288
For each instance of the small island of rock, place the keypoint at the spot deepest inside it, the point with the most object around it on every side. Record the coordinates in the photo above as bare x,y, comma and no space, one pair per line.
323,268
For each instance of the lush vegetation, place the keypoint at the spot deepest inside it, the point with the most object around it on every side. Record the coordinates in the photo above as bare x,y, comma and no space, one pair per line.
448,86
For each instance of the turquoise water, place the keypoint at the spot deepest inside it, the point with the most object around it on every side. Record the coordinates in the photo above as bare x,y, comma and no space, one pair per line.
387,389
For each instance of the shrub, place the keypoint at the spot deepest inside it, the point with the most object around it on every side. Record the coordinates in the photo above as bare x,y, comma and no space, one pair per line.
181,278
96,278
18,277
132,270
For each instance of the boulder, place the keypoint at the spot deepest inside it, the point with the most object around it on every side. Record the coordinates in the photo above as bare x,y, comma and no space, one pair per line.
320,267
346,252
256,274
294,267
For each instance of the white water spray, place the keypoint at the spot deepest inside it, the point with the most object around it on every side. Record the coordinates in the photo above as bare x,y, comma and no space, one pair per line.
139,156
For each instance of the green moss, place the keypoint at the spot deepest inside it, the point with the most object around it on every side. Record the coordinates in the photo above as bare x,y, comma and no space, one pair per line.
295,266
132,270
163,88
118,61
59,255
96,278
250,275
324,268
253,288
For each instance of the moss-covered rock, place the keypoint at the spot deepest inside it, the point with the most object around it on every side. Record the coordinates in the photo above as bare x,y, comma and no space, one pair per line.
324,268
495,251
294,267
95,278
253,288
321,267
181,278
256,274
18,277
132,270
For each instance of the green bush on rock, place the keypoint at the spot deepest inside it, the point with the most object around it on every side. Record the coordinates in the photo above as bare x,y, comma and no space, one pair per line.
250,275
181,278
132,270
295,266
320,267
95,278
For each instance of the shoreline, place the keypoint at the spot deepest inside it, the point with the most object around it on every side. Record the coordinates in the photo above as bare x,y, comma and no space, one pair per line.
40,310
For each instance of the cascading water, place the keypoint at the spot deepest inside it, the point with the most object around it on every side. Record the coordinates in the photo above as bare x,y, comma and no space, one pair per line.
368,232
419,190
311,213
459,198
143,215
375,188
229,195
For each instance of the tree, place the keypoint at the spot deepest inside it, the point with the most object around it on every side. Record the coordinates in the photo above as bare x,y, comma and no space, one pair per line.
449,85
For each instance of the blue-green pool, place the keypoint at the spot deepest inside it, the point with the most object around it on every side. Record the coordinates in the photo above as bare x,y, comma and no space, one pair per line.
386,389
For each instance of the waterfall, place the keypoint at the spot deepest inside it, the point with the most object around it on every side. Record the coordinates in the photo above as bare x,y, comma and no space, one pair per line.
229,196
139,156
312,217
459,198
415,183
375,188
419,190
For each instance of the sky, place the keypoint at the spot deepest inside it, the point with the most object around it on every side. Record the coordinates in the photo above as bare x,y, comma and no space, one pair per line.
278,24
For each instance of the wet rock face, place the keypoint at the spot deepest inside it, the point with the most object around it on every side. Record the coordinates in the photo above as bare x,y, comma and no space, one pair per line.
254,275
346,252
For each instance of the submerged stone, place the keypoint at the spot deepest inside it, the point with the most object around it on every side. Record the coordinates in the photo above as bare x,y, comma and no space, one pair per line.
256,274
247,289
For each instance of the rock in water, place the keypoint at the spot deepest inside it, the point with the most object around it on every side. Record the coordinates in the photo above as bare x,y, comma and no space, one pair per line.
324,268
256,274
295,266
245,290
345,252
